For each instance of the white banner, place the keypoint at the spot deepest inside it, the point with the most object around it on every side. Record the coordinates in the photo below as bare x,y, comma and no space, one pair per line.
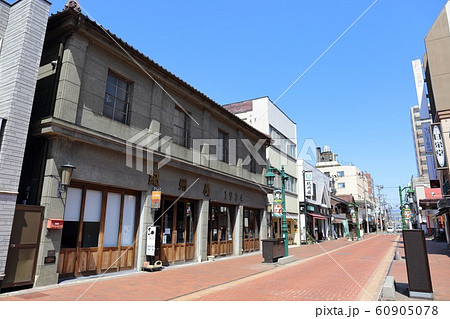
420,90
428,142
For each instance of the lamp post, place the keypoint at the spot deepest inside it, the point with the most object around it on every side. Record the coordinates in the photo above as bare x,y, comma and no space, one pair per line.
270,176
355,206
410,192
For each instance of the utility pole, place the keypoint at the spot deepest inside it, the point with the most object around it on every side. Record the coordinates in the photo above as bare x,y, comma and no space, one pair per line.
380,187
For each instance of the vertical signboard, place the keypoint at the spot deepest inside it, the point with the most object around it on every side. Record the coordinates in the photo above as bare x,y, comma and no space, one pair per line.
151,241
156,199
438,146
308,184
420,90
417,266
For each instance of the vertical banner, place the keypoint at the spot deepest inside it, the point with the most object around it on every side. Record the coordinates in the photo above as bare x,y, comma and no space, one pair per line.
427,140
308,184
346,230
156,199
420,90
438,146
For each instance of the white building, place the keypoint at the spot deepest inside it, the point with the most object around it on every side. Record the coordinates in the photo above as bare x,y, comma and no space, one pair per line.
315,217
268,118
22,31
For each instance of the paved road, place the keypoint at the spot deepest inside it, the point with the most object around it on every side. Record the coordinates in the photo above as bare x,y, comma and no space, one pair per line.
333,270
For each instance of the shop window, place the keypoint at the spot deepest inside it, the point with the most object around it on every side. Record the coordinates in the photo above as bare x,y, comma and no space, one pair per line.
251,224
128,220
91,220
168,222
116,104
71,218
112,218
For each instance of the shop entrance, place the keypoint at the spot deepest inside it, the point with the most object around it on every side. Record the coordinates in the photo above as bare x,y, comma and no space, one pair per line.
178,225
99,230
220,230
252,222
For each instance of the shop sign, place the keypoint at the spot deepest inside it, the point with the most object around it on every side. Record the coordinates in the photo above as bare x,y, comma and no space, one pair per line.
151,241
233,196
407,213
308,176
309,188
156,199
439,148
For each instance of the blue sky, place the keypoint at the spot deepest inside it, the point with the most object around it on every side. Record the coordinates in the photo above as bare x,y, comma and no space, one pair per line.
356,98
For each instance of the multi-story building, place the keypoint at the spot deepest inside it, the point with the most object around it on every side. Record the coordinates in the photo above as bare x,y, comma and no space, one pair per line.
22,30
436,64
315,203
148,150
349,180
419,143
268,118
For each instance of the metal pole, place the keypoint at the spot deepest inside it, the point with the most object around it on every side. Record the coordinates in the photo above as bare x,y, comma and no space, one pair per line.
283,204
401,207
365,205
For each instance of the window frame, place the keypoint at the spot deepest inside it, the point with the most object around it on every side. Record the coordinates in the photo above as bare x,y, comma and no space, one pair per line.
223,150
185,139
116,98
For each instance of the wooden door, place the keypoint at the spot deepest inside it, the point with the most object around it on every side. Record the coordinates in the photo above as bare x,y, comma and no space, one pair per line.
24,245
251,225
220,234
177,231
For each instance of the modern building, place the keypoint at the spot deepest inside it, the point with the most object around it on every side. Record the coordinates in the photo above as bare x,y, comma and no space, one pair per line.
315,203
268,118
22,31
436,64
349,180
143,149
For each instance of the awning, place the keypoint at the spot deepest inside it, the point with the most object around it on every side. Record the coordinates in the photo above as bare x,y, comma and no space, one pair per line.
338,218
316,216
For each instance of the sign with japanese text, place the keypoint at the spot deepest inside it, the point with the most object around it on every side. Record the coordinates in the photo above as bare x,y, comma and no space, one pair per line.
156,199
438,146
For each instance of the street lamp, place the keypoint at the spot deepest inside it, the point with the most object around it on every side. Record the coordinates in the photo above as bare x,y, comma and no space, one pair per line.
355,206
410,193
270,177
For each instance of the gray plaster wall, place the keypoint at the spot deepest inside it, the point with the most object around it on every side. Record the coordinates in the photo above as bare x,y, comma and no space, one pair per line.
22,27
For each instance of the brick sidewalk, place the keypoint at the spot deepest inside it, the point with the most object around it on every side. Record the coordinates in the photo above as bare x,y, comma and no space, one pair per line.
188,280
438,258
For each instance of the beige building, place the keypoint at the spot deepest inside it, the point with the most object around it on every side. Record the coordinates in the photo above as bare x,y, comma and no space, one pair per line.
436,63
349,180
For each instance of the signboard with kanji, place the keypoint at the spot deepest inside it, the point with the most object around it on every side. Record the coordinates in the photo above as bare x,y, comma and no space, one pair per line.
156,199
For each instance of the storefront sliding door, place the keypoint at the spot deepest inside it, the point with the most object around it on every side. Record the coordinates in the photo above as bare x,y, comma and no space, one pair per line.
220,230
99,230
252,222
177,221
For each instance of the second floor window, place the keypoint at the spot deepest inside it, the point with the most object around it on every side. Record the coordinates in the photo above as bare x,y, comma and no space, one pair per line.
117,95
341,185
222,152
340,173
181,128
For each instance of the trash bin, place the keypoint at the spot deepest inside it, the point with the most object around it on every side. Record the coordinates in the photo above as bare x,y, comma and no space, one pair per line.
272,249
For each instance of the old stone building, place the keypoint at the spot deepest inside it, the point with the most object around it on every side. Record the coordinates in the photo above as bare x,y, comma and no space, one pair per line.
126,128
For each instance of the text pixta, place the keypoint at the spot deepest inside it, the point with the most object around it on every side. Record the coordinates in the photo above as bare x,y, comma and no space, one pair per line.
337,311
